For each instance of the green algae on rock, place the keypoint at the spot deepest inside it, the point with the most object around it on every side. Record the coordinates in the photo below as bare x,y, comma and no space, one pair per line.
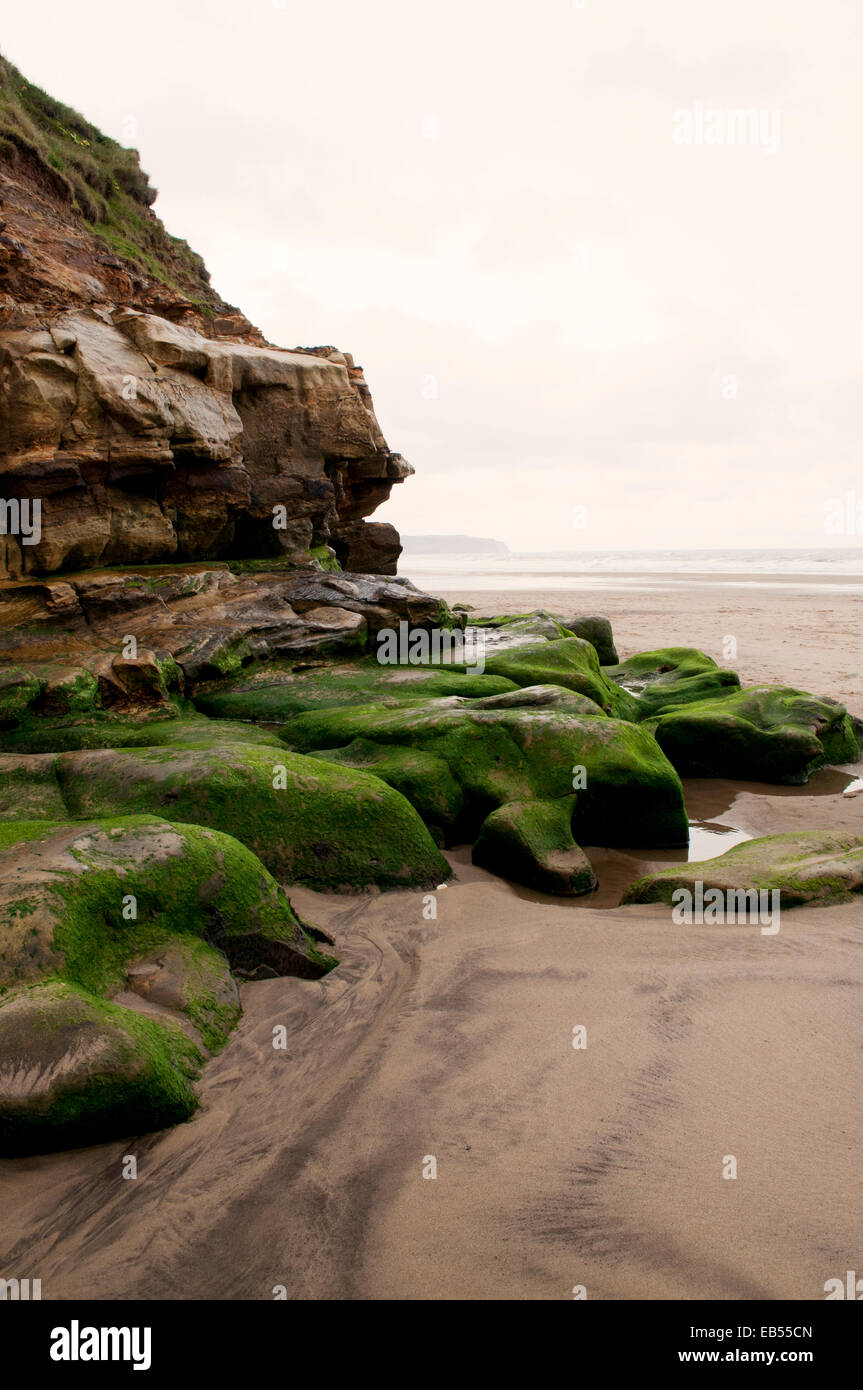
62,893
276,692
816,867
759,733
569,662
118,939
121,731
422,778
596,630
75,1070
331,828
519,628
670,677
531,842
522,746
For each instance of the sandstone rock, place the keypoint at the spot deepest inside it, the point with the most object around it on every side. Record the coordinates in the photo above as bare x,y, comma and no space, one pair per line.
370,547
204,621
146,441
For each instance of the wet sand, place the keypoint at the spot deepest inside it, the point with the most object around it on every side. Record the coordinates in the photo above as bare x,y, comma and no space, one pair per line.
452,1038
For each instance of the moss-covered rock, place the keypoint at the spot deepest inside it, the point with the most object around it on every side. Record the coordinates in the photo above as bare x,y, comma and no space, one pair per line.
194,978
15,832
663,680
29,789
597,631
506,748
422,778
117,943
75,1069
276,692
65,897
815,867
760,733
531,842
18,689
521,629
115,731
571,663
328,827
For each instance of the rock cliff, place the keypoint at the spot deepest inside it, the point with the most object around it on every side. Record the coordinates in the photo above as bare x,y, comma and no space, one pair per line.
142,419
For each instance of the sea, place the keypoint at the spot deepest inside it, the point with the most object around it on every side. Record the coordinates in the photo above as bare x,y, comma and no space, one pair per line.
839,567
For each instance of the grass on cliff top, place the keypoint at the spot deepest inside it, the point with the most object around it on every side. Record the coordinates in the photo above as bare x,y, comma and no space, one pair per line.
101,180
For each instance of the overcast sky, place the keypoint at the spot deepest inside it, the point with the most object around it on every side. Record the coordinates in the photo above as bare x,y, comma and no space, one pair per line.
583,331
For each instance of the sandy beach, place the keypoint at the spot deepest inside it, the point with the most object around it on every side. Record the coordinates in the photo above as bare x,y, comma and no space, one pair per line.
451,1039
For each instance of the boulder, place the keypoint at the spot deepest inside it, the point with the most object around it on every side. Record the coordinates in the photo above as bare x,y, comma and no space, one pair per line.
369,547
329,828
570,662
531,842
539,745
597,631
759,733
77,1070
662,680
115,978
808,867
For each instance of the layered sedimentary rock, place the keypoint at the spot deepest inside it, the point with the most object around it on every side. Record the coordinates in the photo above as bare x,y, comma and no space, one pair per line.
142,441
138,634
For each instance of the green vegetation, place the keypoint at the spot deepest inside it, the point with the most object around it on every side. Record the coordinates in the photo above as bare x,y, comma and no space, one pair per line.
519,746
672,676
327,827
569,662
758,733
814,867
531,842
132,1074
102,182
274,691
89,910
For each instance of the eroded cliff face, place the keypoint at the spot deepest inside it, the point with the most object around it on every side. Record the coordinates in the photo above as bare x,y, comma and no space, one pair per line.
148,419
145,442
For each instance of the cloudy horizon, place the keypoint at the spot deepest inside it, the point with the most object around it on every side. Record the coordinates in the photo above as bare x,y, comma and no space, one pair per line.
600,265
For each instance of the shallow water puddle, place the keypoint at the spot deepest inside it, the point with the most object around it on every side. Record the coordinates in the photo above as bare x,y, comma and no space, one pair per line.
710,805
708,839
